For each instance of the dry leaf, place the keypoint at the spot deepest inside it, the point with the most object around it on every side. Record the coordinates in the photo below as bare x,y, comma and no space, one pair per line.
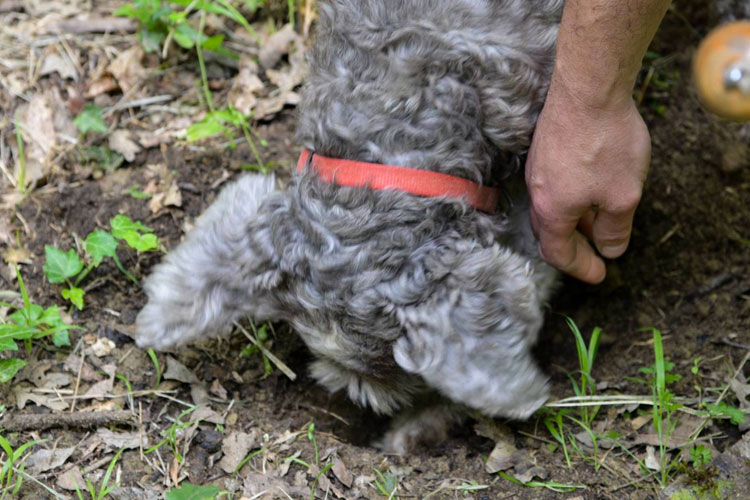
206,414
245,86
651,462
503,457
104,387
199,394
235,447
121,142
218,390
100,86
44,460
117,440
71,480
102,347
62,65
17,255
264,486
23,395
127,68
73,365
277,46
342,474
178,371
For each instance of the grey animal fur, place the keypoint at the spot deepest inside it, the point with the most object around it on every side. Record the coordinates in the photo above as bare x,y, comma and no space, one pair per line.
397,296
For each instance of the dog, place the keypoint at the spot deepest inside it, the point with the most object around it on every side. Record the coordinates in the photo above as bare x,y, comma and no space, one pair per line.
419,305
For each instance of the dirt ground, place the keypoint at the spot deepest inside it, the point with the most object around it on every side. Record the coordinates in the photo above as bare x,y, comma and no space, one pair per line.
687,273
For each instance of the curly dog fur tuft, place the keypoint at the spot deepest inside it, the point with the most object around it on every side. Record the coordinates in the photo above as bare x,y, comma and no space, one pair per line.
402,299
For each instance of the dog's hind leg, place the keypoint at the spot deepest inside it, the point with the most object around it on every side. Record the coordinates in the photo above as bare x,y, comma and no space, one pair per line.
220,273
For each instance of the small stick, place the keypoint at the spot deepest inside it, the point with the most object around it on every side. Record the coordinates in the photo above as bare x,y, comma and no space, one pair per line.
276,361
80,419
78,381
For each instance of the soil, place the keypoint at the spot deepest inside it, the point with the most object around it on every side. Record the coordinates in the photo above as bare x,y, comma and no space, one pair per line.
687,273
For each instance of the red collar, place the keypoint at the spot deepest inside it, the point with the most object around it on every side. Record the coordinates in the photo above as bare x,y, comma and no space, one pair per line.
419,182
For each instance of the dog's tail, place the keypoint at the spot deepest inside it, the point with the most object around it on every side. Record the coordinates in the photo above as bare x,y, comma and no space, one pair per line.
215,276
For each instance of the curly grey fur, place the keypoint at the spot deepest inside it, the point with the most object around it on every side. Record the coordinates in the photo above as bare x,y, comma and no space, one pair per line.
397,296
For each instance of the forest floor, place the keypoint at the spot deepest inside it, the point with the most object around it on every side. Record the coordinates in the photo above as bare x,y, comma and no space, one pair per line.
206,415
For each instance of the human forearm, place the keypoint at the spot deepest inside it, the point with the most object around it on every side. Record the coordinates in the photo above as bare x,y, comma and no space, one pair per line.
600,47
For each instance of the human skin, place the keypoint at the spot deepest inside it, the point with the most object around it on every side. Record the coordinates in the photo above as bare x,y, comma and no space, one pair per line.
590,153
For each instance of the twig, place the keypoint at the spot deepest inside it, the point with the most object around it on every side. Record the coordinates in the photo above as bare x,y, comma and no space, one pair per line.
276,361
80,419
78,381
734,344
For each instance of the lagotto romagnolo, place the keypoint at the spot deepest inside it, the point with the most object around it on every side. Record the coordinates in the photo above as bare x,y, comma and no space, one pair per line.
402,299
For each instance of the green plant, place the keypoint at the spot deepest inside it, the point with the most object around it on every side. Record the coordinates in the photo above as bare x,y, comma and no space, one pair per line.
68,267
163,21
700,456
223,121
90,120
386,484
21,176
157,366
549,485
104,488
14,459
26,324
664,406
584,388
188,491
261,336
173,433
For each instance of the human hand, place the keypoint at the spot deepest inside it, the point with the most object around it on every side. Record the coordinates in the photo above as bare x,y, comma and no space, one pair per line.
585,173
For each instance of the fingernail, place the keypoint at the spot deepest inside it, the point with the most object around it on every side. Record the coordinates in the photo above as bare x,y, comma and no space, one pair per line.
612,251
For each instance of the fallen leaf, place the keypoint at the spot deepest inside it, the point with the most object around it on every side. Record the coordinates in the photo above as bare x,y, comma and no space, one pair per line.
235,447
503,457
178,371
218,390
277,46
62,65
199,394
651,462
255,485
117,440
44,460
73,365
102,347
23,395
245,86
206,414
127,68
17,255
121,142
342,474
104,387
71,480
100,86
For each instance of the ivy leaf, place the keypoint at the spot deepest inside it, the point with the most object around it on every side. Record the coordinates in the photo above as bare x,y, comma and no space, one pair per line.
189,491
9,367
141,242
59,265
100,244
61,338
210,126
90,119
75,295
122,223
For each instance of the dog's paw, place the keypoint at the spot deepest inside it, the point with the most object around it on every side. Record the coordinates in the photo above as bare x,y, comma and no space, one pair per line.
175,313
424,428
